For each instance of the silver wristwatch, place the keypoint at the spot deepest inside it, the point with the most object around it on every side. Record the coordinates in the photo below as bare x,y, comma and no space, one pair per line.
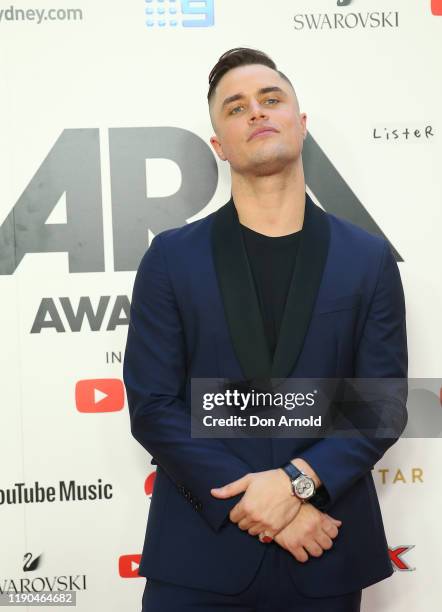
303,486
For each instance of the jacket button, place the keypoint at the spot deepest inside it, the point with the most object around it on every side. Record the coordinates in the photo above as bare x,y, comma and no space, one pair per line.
198,505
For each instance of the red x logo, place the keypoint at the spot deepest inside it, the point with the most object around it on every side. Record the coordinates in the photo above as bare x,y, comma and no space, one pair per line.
396,560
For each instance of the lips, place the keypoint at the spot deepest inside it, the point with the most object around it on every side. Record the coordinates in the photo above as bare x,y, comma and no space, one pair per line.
261,130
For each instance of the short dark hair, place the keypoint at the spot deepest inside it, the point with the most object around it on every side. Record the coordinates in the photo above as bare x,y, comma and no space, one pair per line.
239,56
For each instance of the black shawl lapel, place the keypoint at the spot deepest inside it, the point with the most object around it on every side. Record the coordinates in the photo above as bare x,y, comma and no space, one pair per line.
240,300
238,294
304,286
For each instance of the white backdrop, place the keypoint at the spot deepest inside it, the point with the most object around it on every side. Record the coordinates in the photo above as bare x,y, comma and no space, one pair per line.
68,82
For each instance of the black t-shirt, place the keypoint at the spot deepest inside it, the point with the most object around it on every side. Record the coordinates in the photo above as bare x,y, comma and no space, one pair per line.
271,259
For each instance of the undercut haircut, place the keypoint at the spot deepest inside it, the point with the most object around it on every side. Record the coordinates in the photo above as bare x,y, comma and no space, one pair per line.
240,56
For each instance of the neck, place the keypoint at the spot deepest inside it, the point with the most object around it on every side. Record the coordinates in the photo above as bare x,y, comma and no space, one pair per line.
273,205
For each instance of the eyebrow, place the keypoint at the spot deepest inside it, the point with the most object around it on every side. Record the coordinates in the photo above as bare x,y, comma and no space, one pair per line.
261,91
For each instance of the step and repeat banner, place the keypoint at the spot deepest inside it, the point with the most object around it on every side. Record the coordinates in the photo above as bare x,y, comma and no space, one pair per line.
104,142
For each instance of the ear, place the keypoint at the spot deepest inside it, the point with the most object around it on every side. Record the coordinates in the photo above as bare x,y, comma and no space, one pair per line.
216,145
303,117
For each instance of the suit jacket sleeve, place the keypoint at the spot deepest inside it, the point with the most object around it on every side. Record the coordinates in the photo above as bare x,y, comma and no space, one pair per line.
382,353
155,377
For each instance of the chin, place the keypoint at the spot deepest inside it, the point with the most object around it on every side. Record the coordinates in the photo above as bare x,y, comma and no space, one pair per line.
270,163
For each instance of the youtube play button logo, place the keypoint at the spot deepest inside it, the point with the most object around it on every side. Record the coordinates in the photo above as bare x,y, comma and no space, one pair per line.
149,483
128,566
99,395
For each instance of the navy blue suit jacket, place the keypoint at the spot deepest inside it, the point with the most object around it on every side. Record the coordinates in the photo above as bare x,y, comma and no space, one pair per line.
195,313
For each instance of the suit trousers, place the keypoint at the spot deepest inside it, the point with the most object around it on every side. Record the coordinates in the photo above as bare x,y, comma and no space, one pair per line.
271,590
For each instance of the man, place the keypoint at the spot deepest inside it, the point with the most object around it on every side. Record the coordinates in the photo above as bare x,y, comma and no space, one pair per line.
268,286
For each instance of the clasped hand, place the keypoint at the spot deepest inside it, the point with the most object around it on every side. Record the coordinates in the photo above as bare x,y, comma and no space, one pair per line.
268,506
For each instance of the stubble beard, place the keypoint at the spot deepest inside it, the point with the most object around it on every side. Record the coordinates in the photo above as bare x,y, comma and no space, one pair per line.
266,161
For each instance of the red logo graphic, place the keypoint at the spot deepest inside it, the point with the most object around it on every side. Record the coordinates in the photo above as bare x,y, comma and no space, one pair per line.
99,395
436,7
149,483
396,558
128,566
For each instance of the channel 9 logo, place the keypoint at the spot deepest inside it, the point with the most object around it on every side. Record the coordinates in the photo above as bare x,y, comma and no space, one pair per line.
176,13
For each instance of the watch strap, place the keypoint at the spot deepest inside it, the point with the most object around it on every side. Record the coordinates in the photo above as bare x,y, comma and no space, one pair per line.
291,471
321,498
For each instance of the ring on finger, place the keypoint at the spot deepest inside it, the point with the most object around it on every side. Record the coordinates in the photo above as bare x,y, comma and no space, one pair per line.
265,539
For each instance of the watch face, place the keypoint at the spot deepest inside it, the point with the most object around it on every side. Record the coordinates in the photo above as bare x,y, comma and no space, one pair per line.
304,487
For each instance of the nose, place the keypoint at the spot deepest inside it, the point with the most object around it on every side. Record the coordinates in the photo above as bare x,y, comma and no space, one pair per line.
256,111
